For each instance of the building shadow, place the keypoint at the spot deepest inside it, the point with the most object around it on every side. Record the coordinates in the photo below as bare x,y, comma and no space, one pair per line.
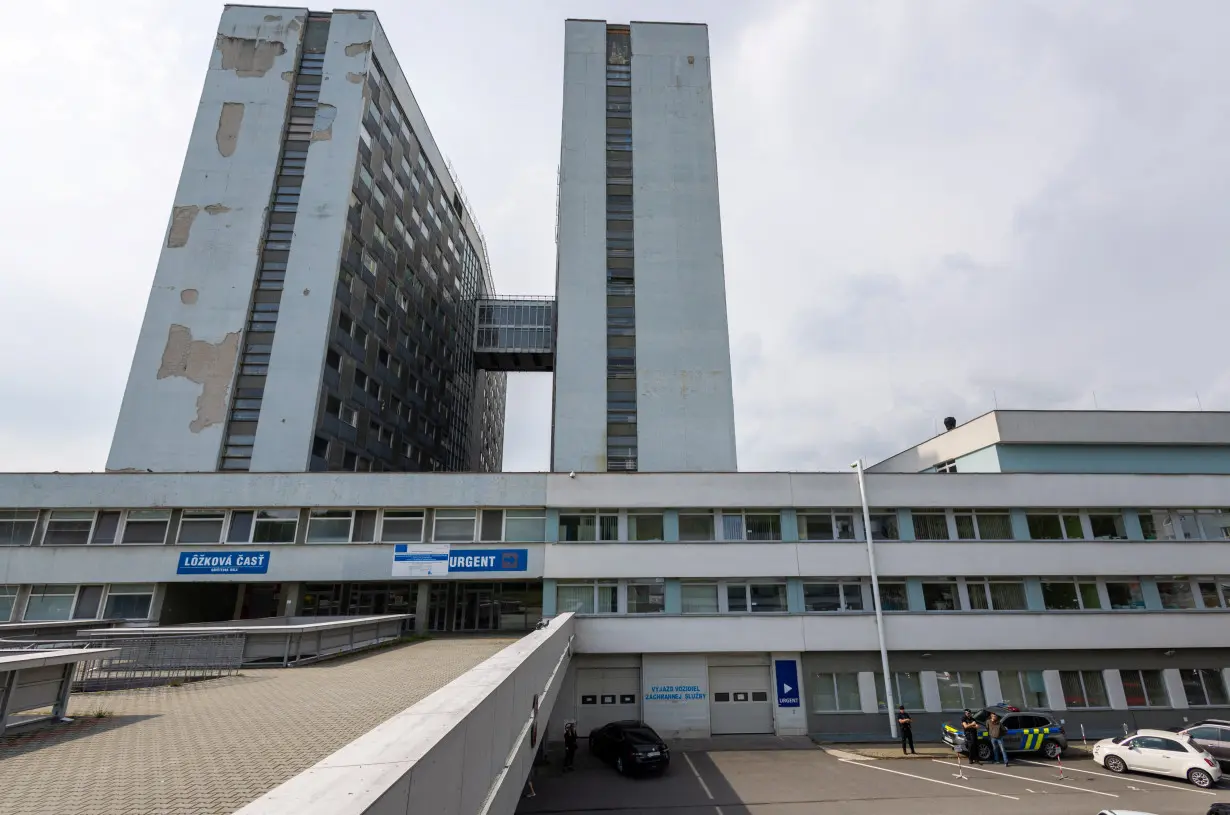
36,737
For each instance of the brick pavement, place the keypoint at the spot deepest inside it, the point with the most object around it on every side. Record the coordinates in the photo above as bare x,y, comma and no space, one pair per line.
213,746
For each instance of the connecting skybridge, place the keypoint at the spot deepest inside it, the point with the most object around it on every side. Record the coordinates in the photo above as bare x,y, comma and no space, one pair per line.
515,334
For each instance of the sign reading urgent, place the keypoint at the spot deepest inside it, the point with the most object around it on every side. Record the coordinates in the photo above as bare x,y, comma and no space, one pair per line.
223,563
440,559
787,672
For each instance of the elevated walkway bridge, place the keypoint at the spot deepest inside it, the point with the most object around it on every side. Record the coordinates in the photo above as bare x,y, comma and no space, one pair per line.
515,334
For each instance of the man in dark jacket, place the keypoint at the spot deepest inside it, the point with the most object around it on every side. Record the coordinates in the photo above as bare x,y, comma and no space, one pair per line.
570,745
905,724
996,732
970,728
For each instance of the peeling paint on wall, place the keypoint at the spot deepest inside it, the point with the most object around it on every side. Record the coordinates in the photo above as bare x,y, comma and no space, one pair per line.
229,121
217,209
294,24
288,75
356,48
248,57
181,225
272,18
322,127
210,365
356,78
189,297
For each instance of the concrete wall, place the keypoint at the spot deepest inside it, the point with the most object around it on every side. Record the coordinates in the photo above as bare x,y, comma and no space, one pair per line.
985,460
974,435
292,390
1113,458
685,402
178,392
578,434
447,753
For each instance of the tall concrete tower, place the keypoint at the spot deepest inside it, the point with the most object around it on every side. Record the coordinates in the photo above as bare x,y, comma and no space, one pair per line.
642,359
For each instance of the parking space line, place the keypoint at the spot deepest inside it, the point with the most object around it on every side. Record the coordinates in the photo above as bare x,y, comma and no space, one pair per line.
925,778
696,773
1030,780
1125,778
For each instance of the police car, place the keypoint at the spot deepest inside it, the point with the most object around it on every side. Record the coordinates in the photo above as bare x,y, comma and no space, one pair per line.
1025,731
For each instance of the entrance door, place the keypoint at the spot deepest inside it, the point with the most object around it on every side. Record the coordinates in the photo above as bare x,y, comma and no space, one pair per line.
606,695
739,700
476,609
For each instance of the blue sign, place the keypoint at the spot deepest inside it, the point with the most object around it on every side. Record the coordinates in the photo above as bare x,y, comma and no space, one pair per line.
488,560
223,563
787,673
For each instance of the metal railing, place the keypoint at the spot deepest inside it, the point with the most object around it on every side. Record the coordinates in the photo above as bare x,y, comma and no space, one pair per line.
145,662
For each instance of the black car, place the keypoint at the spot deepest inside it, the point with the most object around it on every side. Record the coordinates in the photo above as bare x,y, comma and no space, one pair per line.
630,747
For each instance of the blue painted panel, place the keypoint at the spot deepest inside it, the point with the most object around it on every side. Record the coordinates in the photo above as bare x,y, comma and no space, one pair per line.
1112,458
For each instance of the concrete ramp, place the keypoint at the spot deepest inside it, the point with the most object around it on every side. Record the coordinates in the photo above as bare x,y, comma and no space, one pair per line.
464,750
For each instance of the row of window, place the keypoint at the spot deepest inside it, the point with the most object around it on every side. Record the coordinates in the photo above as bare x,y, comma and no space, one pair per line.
937,594
1081,690
125,601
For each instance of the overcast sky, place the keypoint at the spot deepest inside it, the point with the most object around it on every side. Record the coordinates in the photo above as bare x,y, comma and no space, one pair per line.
928,207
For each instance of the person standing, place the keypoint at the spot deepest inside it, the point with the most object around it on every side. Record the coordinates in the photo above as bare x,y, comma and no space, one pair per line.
970,728
570,745
995,732
905,724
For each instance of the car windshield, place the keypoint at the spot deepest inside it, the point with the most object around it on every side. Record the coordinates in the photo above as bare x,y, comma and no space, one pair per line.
1122,739
642,736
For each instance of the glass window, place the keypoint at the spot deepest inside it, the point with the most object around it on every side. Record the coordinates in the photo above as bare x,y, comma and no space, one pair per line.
930,525
1023,689
88,600
736,598
1071,594
275,526
695,526
1204,686
454,526
129,601
1083,689
884,526
960,690
767,597
402,526
68,527
146,526
835,693
699,598
1124,594
8,599
50,602
1144,688
836,596
763,526
587,598
330,525
893,595
983,524
646,598
642,527
17,528
1054,526
940,595
525,525
908,691
201,526
1176,593
587,525
1215,592
825,525
1107,526
995,594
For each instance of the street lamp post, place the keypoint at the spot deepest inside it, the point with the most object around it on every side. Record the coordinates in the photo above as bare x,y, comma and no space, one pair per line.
875,594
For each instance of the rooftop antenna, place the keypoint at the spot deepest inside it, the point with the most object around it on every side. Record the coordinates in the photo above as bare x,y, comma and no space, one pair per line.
1199,404
1095,400
995,399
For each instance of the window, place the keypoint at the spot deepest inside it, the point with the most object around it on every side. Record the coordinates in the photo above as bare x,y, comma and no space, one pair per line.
1083,689
758,598
995,594
940,595
1107,526
275,526
588,525
525,525
930,525
1215,592
201,525
758,526
960,690
1124,594
68,527
329,525
646,598
16,529
893,595
1070,594
365,176
146,526
587,598
1176,593
1204,686
402,526
645,527
128,601
699,598
1144,688
50,602
1023,689
884,526
908,691
826,526
835,693
696,526
983,524
8,599
1054,525
837,596
347,414
454,526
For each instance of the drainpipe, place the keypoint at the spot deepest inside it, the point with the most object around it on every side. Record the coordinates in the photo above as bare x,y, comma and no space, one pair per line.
875,593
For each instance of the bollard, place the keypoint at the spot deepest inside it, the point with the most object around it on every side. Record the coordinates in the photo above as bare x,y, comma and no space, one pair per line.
1059,760
1085,742
960,773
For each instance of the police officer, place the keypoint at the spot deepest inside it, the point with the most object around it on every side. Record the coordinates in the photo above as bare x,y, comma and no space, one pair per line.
970,727
570,745
905,723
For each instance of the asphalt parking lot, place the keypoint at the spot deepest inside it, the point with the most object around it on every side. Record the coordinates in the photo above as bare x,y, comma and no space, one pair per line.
813,782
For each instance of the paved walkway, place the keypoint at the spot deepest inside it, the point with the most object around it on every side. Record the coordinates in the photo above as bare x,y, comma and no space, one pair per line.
213,746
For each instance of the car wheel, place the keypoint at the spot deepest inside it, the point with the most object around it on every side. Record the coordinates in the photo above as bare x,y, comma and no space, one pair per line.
1200,778
984,751
1051,749
1115,764
619,765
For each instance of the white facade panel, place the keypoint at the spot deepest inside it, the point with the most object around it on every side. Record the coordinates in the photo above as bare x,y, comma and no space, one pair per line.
305,316
578,435
606,695
685,402
178,392
675,693
740,701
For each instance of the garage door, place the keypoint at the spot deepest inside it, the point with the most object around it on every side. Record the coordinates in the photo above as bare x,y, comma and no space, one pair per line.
739,700
607,695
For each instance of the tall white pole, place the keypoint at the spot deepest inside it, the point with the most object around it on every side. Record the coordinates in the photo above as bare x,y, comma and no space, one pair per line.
875,593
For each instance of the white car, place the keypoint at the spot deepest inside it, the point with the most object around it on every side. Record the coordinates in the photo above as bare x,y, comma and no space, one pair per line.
1160,752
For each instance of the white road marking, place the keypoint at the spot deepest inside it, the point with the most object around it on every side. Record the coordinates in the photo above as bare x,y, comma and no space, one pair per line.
696,773
924,778
847,755
1118,777
1034,780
